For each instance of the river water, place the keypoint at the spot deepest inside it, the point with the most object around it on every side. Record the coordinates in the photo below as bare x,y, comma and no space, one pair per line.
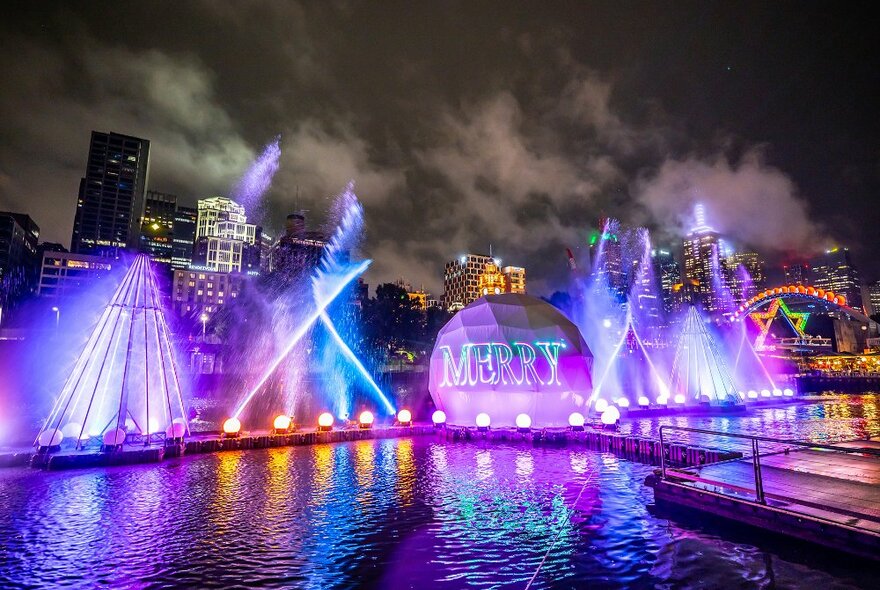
403,513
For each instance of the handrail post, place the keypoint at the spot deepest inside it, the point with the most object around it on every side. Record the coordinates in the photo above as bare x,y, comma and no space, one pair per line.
759,483
662,455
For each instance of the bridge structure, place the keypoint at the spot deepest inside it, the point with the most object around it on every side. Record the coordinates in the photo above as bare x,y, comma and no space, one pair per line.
792,304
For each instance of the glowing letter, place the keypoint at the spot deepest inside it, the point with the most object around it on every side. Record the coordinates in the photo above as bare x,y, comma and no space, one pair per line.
527,356
551,353
504,356
486,376
459,371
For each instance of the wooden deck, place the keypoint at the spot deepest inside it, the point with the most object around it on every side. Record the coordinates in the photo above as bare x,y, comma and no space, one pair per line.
817,488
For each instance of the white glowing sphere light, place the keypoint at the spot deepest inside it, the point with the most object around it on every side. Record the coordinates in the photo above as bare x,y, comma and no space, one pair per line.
610,416
365,420
576,420
231,427
325,421
482,420
523,421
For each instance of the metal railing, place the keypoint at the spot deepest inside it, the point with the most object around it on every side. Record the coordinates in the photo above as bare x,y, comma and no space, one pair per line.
760,495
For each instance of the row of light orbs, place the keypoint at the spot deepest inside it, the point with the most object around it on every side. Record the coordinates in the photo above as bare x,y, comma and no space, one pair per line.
609,414
283,422
112,437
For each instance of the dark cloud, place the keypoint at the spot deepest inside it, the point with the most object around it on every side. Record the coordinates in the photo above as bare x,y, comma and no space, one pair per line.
462,124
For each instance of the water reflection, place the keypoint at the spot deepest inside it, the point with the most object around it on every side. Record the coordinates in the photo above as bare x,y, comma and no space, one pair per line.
396,514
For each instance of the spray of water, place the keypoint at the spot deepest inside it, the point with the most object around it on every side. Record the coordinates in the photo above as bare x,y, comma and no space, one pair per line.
333,276
255,182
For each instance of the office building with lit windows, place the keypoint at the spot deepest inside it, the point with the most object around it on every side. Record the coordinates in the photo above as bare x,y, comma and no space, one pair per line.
667,274
702,263
111,195
65,273
196,291
184,237
796,274
516,279
744,276
157,227
225,241
834,271
19,263
473,275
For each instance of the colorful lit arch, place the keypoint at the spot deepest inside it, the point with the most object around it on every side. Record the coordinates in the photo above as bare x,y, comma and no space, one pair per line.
766,306
793,292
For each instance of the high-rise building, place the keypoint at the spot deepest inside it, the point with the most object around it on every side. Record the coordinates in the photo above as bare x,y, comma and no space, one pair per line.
874,297
184,237
516,278
743,276
298,251
200,291
835,271
225,241
702,263
266,246
667,274
19,236
63,273
157,226
111,194
797,274
606,258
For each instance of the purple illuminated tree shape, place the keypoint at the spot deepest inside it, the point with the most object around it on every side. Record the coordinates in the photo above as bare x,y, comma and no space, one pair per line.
124,385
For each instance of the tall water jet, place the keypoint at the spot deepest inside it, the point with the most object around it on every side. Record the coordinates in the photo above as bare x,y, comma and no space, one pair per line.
124,386
330,280
257,179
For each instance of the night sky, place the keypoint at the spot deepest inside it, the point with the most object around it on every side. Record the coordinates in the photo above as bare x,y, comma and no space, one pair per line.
465,124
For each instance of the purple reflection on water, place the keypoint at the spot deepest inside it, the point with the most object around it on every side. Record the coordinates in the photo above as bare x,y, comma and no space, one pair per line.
393,514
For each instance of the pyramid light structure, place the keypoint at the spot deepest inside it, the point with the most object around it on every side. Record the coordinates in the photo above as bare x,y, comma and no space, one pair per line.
124,386
699,372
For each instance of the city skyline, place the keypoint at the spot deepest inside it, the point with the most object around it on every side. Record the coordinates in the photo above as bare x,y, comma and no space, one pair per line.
574,121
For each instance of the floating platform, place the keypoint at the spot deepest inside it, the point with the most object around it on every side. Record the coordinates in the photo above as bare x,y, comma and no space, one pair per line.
814,495
200,443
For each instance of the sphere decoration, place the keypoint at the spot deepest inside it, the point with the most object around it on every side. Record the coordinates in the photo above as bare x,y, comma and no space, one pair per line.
231,426
281,422
325,420
510,354
114,437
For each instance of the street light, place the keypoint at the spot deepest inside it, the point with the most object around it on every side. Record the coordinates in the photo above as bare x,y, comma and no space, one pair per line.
204,319
57,317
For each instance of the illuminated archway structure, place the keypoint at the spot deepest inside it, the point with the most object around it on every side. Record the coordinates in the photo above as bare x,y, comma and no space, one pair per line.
766,306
